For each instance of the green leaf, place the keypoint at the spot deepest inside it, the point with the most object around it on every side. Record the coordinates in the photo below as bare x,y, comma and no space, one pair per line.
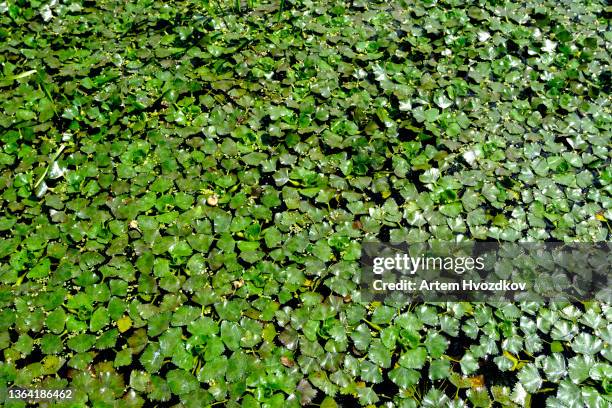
204,326
379,354
40,270
585,343
479,397
99,319
413,358
181,382
431,114
361,337
152,358
439,369
55,320
81,342
436,344
180,249
578,368
554,367
530,378
404,377
367,396
468,363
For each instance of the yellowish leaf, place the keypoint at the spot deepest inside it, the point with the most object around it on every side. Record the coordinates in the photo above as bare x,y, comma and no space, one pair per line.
124,323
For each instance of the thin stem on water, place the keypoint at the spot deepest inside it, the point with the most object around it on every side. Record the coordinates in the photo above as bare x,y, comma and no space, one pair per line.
280,10
55,157
221,13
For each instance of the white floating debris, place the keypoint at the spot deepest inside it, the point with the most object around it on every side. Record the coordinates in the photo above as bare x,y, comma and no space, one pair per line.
549,46
483,36
213,200
361,73
537,33
42,189
46,13
56,171
469,156
405,105
379,73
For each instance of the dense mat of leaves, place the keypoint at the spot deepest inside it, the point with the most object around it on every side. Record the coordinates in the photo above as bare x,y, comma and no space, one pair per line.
185,185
